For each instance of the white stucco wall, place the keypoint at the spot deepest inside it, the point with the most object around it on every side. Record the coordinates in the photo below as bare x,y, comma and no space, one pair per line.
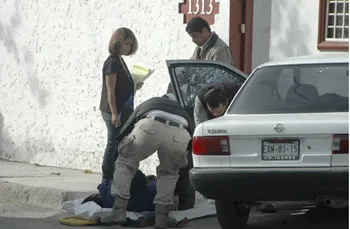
284,29
50,72
261,32
294,28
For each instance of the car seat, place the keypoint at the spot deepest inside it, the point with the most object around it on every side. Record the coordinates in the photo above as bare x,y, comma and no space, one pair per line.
301,93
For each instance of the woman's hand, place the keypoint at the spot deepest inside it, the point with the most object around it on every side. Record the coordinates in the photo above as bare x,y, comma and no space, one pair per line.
115,120
139,85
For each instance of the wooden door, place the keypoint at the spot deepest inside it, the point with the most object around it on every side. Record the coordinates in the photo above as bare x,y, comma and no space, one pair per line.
241,33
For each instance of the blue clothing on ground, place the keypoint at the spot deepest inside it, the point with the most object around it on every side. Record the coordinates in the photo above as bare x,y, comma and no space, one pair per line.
141,194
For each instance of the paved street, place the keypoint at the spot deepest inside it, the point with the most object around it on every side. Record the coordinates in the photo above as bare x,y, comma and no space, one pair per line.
24,184
33,218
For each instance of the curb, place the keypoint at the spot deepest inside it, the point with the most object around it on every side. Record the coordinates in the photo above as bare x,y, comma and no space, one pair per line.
49,198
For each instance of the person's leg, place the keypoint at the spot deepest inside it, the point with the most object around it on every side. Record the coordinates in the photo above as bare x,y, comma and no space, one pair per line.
141,143
184,190
172,156
125,169
110,154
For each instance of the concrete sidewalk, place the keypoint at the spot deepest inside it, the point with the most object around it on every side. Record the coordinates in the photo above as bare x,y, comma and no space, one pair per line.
43,186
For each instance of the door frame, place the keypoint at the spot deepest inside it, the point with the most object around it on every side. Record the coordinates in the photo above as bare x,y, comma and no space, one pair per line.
241,12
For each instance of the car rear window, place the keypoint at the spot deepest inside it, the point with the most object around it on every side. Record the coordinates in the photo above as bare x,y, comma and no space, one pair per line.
308,88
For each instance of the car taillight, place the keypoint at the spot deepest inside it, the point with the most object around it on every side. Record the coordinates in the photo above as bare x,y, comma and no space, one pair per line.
340,144
218,145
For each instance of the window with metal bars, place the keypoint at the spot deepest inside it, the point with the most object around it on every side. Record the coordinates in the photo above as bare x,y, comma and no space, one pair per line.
333,31
337,24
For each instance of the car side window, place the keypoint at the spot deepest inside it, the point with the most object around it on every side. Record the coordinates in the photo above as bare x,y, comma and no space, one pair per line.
192,78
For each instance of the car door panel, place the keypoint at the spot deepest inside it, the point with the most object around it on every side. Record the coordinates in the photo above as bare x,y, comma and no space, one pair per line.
189,76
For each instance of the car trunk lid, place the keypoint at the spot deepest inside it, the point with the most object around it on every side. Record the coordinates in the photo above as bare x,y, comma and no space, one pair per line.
292,140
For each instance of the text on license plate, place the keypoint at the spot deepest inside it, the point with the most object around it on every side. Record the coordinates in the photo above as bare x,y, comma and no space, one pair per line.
280,150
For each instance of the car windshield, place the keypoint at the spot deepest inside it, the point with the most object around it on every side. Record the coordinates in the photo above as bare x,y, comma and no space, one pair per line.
307,88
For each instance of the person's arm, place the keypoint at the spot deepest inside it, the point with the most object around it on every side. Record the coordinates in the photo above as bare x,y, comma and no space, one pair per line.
111,80
224,56
199,113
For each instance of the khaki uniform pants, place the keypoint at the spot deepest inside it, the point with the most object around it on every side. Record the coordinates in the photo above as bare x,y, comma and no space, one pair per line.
147,137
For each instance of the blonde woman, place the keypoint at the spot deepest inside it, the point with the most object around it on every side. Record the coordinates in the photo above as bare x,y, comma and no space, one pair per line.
117,96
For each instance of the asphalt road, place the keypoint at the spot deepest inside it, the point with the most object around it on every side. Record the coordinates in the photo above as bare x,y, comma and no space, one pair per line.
26,217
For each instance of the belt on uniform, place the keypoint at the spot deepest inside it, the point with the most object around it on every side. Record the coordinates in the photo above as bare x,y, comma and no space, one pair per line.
165,121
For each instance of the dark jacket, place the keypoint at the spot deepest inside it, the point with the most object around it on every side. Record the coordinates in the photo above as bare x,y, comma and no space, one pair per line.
230,90
155,103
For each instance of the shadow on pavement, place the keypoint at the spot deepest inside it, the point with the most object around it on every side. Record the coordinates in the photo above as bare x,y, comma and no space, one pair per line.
298,218
314,218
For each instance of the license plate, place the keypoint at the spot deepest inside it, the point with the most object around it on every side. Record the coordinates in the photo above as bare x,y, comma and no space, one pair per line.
280,150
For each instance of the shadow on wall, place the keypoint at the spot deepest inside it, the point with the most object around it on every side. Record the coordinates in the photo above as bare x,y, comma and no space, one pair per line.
290,35
2,138
34,84
25,61
5,141
1,135
8,36
30,147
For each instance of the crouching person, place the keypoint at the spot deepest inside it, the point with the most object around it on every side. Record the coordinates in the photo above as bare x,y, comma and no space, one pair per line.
158,124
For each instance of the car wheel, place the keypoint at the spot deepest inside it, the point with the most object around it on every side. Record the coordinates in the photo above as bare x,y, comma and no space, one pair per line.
232,215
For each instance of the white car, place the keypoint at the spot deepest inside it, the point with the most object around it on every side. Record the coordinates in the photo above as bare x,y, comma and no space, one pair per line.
284,137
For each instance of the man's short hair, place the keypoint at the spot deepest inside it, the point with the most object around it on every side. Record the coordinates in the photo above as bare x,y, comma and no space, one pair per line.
215,96
196,25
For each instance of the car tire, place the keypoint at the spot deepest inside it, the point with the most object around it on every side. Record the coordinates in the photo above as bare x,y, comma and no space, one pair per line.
232,215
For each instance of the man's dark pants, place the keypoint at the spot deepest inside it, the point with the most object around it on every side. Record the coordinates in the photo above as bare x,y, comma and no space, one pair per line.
184,189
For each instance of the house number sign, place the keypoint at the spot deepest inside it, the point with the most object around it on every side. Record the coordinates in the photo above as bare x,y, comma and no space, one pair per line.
203,8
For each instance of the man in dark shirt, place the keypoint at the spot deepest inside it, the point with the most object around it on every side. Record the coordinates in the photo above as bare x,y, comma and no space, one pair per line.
158,124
